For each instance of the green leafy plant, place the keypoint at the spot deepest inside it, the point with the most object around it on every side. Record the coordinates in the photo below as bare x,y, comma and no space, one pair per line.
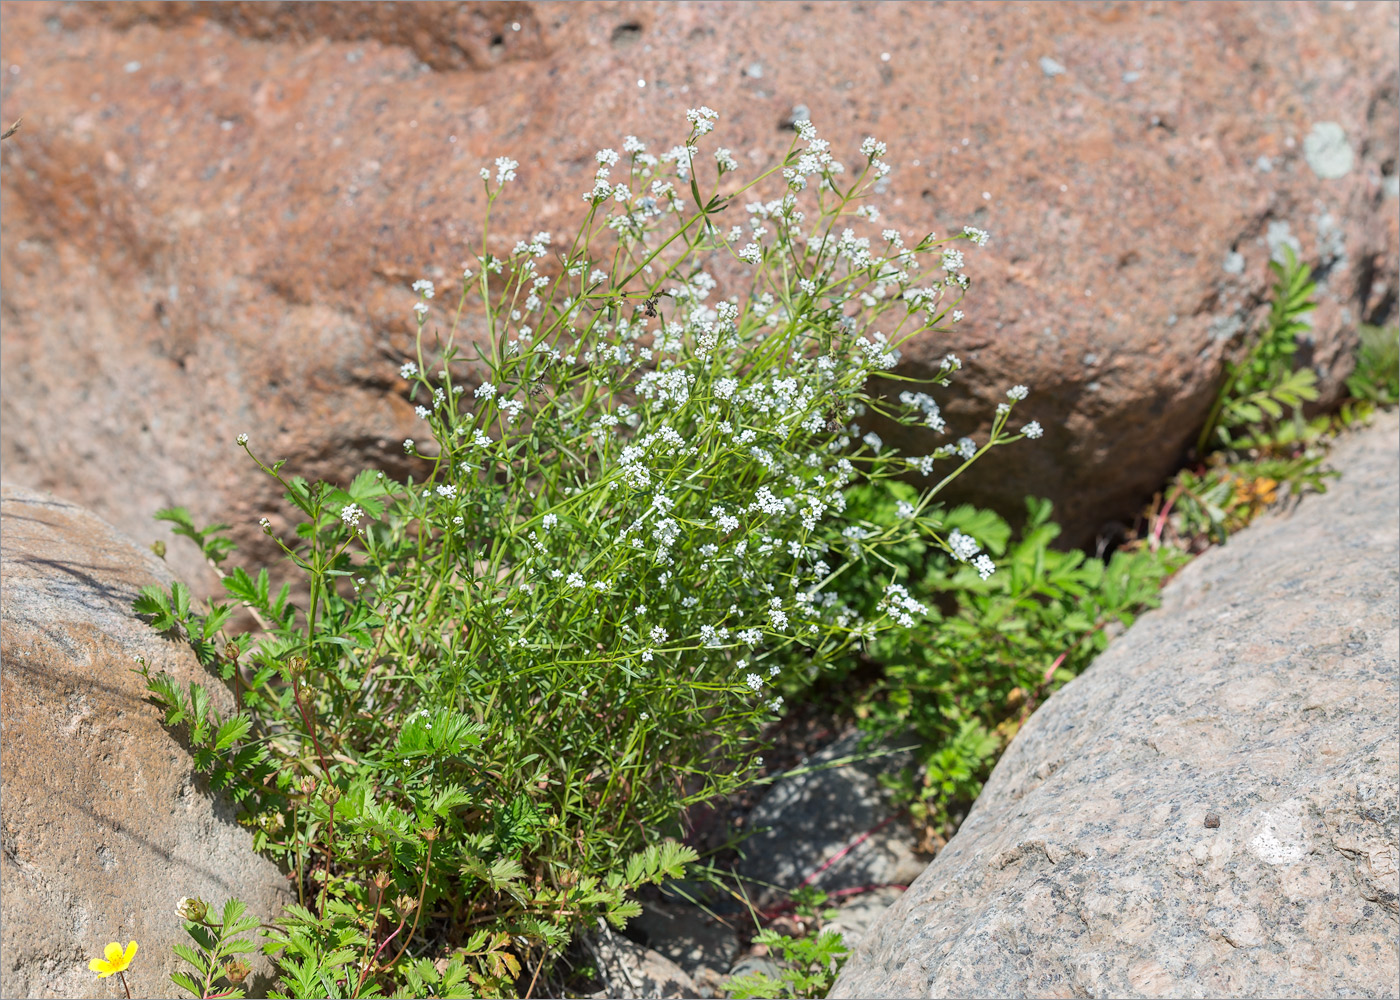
1376,378
1260,388
997,646
220,942
513,672
808,965
1252,452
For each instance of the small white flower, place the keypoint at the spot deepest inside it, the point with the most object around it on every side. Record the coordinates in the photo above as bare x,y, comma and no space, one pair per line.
752,253
420,309
549,521
351,514
964,546
984,566
1017,392
242,439
702,119
505,169
424,287
447,490
659,634
485,391
408,444
265,524
978,236
422,412
754,682
574,580
408,369
1033,429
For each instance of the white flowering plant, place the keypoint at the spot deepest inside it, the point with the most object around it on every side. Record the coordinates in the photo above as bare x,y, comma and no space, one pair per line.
513,675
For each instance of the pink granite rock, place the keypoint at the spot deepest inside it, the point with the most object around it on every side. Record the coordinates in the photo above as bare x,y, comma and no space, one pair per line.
214,211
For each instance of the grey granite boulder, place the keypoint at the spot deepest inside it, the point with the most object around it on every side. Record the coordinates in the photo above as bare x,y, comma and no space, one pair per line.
1213,808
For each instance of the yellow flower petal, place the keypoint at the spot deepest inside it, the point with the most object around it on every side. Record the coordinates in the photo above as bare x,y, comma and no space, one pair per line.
113,952
103,969
130,954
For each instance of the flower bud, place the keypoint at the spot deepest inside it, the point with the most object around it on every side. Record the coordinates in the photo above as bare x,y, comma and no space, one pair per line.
192,908
237,971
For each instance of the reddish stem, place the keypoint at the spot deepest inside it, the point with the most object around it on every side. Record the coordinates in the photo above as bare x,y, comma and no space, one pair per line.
1162,517
788,905
773,911
849,848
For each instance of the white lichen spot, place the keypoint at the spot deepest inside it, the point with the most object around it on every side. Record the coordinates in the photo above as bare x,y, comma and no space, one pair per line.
1281,839
1327,151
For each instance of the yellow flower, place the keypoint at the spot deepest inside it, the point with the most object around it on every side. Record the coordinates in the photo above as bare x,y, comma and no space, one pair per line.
116,960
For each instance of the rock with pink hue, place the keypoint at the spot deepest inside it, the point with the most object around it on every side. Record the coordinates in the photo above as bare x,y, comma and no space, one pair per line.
214,212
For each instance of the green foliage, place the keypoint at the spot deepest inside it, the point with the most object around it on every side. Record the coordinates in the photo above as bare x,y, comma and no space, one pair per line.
211,541
809,965
1376,378
1256,446
513,671
220,941
996,647
1259,389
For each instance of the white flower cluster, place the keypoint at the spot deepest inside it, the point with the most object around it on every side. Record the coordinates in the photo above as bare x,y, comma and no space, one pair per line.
705,442
899,605
964,548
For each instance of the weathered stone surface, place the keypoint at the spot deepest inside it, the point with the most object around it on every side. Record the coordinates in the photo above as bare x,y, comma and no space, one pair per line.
702,946
856,915
631,971
214,211
807,820
104,824
1213,808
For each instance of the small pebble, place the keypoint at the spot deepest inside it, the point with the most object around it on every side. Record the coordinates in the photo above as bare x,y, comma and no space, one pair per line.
1212,821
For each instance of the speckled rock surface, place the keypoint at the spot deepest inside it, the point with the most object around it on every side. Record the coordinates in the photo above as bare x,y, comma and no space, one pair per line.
803,822
1212,808
214,212
631,971
104,826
